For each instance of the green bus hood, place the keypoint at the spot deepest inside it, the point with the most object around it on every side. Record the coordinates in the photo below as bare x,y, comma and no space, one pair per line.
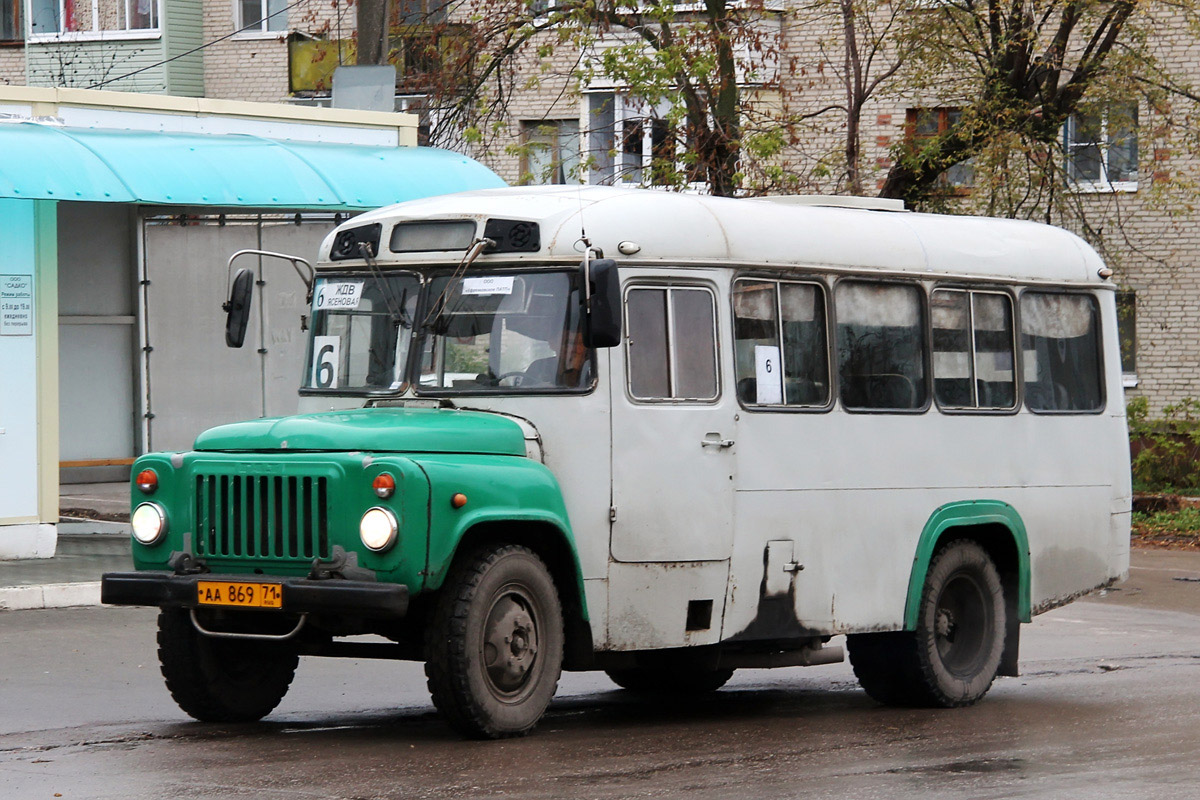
392,430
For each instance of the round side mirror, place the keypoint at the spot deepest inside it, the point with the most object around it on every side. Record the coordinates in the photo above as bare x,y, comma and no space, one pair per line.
238,308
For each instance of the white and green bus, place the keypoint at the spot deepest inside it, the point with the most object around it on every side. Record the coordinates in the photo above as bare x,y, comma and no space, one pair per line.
664,436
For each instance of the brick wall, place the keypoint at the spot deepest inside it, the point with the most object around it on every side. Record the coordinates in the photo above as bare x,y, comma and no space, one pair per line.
12,65
254,65
1152,246
249,66
553,97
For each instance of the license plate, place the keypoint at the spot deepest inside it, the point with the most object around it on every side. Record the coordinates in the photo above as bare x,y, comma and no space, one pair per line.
240,594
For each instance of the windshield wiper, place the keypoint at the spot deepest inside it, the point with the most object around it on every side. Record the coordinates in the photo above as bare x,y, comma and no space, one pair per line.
395,308
439,305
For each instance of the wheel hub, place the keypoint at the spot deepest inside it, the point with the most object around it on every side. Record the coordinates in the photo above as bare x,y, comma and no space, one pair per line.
945,625
510,644
959,624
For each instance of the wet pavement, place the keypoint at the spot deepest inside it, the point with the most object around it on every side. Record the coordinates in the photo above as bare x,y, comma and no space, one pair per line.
1108,705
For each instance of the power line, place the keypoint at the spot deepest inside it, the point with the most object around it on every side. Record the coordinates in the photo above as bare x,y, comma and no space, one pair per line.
201,47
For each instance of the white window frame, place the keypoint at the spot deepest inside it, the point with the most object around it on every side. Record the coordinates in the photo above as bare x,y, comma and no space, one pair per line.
627,108
1103,185
568,160
261,31
95,34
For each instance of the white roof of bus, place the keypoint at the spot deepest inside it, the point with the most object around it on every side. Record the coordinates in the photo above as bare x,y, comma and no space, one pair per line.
688,229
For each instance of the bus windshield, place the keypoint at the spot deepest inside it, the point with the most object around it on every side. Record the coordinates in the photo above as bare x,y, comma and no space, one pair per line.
362,331
504,333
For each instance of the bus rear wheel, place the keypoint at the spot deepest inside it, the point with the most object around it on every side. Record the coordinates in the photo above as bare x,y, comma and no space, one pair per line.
495,643
221,680
952,657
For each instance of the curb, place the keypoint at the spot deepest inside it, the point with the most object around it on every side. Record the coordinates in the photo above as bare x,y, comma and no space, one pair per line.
50,595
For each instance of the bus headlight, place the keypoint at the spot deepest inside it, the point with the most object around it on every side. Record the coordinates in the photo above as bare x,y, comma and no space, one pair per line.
378,529
149,523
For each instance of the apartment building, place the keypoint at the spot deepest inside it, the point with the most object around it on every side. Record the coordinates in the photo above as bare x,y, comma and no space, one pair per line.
1127,182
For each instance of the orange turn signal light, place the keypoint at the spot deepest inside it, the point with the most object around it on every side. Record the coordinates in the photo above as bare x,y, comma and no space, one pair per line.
147,481
384,485
458,500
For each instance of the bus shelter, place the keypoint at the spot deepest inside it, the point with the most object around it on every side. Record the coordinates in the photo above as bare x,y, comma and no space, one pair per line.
118,214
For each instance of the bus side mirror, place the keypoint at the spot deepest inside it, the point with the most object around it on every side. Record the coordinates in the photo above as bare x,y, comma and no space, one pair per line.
238,308
603,328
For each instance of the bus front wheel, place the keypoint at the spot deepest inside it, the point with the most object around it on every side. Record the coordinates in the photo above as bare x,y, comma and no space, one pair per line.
952,657
221,680
495,643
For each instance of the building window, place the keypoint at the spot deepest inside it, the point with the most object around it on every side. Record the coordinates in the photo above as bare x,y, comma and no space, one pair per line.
10,21
550,151
1102,149
924,124
52,17
262,15
1127,332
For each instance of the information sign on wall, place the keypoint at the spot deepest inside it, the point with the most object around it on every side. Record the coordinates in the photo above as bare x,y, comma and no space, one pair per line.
16,305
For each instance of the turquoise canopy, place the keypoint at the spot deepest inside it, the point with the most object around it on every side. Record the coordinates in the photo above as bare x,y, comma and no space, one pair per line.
46,162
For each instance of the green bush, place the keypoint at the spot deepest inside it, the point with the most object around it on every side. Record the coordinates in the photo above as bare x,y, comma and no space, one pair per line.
1166,451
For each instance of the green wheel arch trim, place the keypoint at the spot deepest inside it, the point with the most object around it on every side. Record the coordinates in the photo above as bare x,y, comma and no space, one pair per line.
500,490
968,514
500,515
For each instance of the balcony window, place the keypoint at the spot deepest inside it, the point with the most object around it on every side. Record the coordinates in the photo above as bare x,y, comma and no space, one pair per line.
631,141
95,19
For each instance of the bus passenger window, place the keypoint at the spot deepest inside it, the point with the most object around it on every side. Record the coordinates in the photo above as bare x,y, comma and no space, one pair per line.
1060,349
880,343
972,349
671,346
796,374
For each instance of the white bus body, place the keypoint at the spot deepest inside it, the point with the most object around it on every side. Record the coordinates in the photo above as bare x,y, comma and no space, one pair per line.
727,519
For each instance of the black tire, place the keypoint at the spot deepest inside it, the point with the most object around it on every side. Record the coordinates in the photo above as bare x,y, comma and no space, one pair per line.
952,657
495,643
221,680
665,681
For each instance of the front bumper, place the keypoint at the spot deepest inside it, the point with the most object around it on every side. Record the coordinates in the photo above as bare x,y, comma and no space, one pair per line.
300,595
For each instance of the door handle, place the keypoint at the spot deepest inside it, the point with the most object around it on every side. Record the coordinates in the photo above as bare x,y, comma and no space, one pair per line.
715,440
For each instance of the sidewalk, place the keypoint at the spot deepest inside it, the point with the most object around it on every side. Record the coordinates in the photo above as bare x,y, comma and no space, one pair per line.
93,538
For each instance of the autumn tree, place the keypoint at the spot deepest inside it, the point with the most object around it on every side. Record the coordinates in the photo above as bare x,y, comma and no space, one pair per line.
703,69
1019,71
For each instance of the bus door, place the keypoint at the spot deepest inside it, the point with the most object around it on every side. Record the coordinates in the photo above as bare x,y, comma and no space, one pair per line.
673,464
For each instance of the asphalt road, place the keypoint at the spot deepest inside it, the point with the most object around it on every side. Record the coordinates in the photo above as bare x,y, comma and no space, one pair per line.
1108,706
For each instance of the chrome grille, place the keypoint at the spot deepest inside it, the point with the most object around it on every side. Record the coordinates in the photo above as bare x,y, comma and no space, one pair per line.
262,516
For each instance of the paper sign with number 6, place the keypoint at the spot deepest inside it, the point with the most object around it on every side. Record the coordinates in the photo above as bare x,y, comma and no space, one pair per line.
326,351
